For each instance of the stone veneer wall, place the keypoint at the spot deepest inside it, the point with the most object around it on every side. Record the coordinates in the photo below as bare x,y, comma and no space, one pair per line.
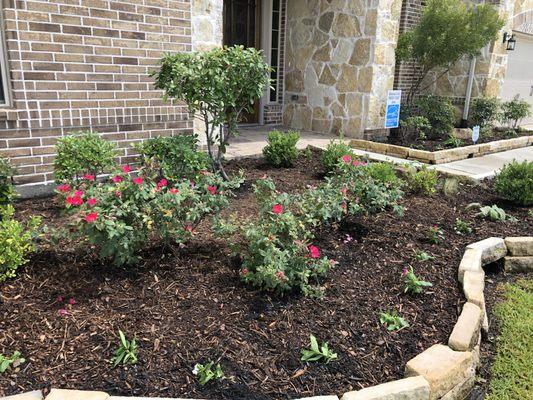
339,63
80,65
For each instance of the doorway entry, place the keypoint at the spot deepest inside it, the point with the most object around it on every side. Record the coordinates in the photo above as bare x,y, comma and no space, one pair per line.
242,26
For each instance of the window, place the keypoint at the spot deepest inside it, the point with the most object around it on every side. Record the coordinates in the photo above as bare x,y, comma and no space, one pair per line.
274,48
5,98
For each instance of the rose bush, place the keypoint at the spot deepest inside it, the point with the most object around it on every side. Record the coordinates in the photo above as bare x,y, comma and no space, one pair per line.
277,249
124,214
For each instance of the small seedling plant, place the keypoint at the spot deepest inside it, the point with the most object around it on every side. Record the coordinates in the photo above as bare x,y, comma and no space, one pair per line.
126,352
205,373
435,235
461,227
6,362
317,353
413,285
423,256
392,321
493,213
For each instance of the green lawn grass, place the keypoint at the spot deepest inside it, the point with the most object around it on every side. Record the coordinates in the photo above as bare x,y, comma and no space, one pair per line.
512,371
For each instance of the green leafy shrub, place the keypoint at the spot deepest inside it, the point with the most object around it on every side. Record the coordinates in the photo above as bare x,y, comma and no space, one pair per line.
281,149
16,241
123,215
453,141
439,112
317,353
277,249
82,154
220,85
423,180
484,111
331,157
415,126
514,111
384,173
7,192
515,182
175,157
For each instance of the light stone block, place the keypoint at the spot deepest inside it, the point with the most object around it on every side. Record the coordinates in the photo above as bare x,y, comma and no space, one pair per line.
463,389
471,261
35,395
473,287
492,248
465,333
413,388
442,367
518,264
320,398
66,394
519,246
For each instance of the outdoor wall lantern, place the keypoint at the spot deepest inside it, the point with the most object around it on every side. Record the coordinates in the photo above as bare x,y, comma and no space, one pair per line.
511,41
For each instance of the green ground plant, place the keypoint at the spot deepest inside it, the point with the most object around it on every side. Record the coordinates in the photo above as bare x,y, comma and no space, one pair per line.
423,180
281,150
511,371
413,285
205,372
316,353
462,227
423,256
8,361
392,321
126,353
83,154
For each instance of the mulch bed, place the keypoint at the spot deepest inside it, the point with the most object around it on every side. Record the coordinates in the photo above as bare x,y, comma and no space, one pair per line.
439,144
187,305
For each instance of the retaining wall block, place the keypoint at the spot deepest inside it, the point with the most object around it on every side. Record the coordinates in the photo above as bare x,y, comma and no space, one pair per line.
35,395
492,249
320,398
473,287
413,388
519,246
518,264
442,367
65,394
471,261
466,331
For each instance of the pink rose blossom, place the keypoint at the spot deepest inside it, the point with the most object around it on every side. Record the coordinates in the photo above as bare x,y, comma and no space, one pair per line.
88,177
313,251
64,188
126,169
91,202
138,180
72,301
212,189
117,179
63,312
91,217
347,158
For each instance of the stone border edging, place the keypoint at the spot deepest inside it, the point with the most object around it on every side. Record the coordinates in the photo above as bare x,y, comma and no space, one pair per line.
440,372
443,156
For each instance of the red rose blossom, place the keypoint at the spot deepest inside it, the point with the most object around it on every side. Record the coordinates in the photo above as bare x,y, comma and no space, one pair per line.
91,217
117,179
78,193
174,191
126,169
162,183
313,251
91,202
74,200
277,208
212,189
88,177
138,180
64,188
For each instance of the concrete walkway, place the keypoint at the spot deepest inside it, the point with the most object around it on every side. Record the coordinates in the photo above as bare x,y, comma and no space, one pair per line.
252,139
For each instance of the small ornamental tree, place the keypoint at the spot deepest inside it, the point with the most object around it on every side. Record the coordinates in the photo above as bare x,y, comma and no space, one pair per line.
219,85
447,31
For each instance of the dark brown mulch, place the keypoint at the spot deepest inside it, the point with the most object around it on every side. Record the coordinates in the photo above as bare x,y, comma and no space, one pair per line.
439,144
187,305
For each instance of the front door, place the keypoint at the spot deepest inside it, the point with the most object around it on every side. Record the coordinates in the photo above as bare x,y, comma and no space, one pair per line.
242,27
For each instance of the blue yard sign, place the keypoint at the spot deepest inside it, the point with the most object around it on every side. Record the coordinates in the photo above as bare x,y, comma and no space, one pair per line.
392,116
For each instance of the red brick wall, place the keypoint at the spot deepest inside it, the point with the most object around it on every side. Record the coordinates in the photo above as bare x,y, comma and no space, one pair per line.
84,64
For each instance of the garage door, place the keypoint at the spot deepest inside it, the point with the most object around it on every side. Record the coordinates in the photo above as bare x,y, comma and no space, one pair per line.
519,76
